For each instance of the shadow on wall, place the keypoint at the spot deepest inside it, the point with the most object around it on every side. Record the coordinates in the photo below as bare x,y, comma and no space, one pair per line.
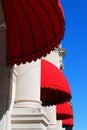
5,89
5,71
69,128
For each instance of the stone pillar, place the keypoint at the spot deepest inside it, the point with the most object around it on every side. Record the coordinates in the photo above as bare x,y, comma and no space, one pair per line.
54,58
51,113
59,125
5,78
27,112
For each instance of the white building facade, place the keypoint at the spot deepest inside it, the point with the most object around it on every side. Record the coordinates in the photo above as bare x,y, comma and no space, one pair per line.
20,104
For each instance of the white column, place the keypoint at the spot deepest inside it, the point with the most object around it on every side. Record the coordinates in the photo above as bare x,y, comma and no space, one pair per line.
27,112
59,125
28,83
54,58
5,78
51,113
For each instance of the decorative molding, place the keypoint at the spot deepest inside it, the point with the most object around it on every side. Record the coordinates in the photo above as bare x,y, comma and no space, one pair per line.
22,118
61,65
61,51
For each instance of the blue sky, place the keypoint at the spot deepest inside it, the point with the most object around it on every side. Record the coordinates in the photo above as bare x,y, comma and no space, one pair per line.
75,62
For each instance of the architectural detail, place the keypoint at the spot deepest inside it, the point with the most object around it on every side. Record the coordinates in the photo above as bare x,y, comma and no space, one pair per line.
62,52
59,125
61,63
27,112
51,113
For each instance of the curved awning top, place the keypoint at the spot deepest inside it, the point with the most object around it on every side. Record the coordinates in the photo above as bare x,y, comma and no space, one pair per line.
54,85
34,28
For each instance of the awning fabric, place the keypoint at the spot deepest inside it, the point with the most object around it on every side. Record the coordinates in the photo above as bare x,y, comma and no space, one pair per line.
68,122
64,111
34,28
54,86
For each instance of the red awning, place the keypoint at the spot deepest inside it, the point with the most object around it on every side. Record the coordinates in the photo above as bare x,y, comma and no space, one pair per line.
64,111
54,86
34,28
68,122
